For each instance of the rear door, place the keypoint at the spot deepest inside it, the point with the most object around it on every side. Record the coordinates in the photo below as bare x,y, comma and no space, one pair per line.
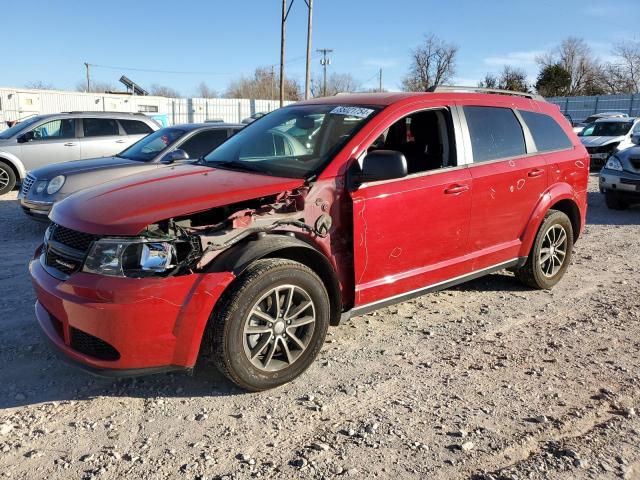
509,177
102,137
134,130
53,141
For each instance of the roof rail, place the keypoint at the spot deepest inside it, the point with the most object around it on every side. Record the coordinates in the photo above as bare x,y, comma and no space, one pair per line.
104,112
447,88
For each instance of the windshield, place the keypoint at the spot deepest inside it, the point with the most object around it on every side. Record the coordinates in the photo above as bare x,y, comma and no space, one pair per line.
18,127
607,129
150,146
293,142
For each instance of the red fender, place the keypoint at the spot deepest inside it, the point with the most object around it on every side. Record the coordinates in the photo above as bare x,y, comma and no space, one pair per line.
554,194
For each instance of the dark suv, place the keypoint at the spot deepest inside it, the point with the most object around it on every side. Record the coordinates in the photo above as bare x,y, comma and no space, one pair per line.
318,211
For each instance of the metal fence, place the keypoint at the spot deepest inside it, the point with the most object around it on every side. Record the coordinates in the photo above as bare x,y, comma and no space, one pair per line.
579,108
18,104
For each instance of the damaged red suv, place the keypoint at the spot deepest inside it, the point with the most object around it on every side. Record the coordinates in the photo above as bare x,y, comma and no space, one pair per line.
315,212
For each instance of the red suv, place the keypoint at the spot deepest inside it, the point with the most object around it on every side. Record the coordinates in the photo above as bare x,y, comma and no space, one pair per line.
315,212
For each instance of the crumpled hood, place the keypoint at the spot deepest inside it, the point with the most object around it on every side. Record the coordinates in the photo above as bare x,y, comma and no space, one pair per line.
80,166
127,205
600,141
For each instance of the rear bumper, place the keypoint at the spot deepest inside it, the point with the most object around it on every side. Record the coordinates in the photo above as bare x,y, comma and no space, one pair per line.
124,326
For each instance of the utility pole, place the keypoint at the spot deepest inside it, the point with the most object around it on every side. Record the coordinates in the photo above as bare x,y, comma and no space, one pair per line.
273,82
380,81
307,79
86,66
324,61
285,14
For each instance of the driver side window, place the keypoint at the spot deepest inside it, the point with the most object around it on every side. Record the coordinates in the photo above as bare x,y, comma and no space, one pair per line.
55,129
425,138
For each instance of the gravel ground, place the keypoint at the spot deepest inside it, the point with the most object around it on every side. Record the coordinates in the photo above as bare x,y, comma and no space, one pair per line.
486,380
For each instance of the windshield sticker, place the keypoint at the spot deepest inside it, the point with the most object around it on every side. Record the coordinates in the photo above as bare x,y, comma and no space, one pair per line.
352,111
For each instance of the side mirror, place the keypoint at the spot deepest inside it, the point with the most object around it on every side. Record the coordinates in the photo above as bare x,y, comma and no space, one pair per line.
383,165
635,138
26,137
177,155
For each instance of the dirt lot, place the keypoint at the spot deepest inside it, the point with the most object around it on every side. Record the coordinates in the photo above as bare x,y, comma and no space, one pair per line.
487,380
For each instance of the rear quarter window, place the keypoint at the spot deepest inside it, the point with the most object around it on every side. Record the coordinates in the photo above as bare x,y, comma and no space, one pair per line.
495,133
135,127
546,132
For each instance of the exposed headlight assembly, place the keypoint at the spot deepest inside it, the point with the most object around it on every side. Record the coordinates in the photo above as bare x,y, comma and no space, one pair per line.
614,163
132,257
55,184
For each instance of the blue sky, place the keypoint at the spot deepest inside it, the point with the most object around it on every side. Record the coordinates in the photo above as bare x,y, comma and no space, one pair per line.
221,39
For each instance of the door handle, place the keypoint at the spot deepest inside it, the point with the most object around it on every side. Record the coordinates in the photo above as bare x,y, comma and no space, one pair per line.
70,144
456,189
120,141
536,173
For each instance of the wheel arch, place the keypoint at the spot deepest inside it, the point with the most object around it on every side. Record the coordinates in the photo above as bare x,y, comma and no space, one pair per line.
15,164
559,197
238,258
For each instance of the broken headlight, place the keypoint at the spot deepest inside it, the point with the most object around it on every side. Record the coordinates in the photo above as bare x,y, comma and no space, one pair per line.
136,257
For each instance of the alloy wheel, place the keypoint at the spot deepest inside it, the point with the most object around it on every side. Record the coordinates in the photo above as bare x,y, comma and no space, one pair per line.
279,327
4,178
553,250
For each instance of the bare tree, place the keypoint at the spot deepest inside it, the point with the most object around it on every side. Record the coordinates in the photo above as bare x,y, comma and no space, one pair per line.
40,85
623,74
336,83
489,81
577,58
163,91
96,87
264,84
204,91
432,63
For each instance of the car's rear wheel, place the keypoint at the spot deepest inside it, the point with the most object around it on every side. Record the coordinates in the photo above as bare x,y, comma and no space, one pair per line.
551,252
614,202
7,178
270,325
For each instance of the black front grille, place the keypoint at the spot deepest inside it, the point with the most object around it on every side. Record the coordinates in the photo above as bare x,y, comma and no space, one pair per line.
72,238
92,346
635,163
61,262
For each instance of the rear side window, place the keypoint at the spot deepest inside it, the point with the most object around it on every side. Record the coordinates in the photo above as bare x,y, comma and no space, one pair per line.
100,127
547,134
204,142
495,133
135,127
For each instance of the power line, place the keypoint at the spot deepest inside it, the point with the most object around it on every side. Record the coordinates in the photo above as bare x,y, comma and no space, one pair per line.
178,72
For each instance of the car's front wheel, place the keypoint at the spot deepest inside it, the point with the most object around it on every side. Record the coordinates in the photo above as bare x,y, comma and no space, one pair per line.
7,178
550,254
270,325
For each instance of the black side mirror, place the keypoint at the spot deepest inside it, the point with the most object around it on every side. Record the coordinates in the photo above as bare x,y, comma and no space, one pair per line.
26,137
177,155
383,165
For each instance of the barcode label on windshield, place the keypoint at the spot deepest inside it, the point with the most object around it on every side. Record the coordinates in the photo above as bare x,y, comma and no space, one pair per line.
359,112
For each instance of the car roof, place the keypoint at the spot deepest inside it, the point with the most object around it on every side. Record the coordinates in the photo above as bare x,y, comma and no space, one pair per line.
209,126
606,114
616,120
442,93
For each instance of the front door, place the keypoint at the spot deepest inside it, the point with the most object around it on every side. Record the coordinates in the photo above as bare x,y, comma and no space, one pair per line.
412,232
52,142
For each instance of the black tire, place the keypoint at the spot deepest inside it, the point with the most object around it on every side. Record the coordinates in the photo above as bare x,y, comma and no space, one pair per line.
614,202
7,178
533,272
226,338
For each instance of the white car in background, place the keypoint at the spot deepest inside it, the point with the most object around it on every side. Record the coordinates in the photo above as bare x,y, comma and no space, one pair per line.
578,127
62,137
608,136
